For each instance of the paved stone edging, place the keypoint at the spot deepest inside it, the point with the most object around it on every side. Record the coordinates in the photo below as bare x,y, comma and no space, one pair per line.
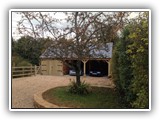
39,102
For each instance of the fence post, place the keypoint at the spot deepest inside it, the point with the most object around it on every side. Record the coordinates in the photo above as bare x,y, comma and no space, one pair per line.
35,70
31,69
12,71
23,71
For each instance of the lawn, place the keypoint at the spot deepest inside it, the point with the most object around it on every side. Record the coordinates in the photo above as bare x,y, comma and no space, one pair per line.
100,97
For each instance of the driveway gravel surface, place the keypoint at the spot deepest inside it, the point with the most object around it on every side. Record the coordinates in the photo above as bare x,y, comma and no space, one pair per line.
24,88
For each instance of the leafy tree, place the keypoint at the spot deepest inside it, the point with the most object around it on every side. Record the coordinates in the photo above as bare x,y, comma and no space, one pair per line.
19,61
138,52
30,49
130,63
121,66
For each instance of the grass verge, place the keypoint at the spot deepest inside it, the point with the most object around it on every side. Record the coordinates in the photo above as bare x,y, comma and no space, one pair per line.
100,97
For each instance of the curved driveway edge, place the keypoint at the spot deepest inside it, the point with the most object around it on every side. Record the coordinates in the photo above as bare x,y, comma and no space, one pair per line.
39,102
23,89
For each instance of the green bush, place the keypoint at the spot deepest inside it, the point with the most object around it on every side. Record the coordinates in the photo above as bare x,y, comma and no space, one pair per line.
19,61
130,64
139,55
121,69
81,89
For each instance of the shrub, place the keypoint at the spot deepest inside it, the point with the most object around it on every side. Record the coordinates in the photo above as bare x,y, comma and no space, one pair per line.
19,61
130,64
121,69
81,89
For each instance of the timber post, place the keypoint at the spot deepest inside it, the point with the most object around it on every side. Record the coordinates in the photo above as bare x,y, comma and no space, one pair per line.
109,67
84,67
35,70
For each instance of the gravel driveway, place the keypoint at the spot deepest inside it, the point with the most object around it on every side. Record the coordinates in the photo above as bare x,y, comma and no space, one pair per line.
24,88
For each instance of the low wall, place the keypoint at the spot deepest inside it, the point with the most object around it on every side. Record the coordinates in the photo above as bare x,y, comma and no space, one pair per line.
39,102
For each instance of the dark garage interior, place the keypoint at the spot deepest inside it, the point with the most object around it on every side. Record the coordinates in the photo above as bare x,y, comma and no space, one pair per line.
97,65
91,65
66,68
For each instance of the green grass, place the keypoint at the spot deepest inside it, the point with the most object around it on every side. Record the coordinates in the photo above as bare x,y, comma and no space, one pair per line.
99,98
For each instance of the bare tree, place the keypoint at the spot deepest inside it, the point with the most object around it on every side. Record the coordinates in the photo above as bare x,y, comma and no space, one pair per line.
75,35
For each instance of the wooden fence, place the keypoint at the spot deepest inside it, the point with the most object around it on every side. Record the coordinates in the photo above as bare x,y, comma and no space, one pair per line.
25,71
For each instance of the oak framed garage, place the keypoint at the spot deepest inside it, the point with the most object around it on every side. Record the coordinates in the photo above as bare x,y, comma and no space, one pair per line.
50,65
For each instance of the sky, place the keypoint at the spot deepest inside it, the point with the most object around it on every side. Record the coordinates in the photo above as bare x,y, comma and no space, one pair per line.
59,15
17,17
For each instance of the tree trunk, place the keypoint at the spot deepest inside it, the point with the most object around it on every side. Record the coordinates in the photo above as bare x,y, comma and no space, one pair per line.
78,72
78,62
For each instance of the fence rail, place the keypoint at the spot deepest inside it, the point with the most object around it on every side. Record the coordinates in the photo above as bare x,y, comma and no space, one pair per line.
25,71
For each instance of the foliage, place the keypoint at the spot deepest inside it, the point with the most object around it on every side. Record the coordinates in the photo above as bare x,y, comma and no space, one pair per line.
138,52
130,63
81,89
29,48
115,64
19,61
121,66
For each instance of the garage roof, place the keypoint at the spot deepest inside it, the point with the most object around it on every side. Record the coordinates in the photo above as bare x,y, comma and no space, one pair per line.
103,52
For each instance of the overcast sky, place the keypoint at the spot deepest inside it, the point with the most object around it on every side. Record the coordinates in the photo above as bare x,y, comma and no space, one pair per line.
17,17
